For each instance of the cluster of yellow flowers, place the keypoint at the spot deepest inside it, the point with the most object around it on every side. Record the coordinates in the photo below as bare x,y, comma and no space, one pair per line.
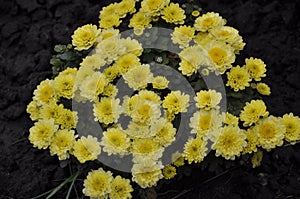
268,131
211,46
101,184
240,77
207,46
55,124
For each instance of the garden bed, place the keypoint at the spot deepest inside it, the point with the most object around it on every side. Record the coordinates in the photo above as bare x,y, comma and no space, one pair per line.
31,28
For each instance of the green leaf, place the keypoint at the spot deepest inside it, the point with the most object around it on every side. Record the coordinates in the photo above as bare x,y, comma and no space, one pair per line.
43,194
72,179
72,184
60,48
235,95
56,62
68,56
165,61
189,8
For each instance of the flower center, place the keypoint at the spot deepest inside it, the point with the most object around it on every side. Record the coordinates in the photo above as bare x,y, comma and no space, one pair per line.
267,131
217,55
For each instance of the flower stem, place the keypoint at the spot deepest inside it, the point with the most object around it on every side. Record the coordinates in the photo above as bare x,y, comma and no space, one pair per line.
72,184
70,179
51,192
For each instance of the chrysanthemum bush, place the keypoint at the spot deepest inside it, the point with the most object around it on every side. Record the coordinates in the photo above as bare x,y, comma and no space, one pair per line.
144,124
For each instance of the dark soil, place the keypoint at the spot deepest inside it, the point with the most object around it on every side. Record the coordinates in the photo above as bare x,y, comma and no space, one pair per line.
30,29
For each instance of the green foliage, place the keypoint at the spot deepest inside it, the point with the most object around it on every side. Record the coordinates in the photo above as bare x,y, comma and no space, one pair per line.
66,56
236,101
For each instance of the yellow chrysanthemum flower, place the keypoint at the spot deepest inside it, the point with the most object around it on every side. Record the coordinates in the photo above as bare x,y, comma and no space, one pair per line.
110,90
127,61
204,122
65,85
238,45
41,134
111,73
45,92
170,116
108,33
107,110
98,184
238,78
176,102
208,99
132,46
225,33
94,61
92,86
187,68
203,38
270,132
51,110
230,142
209,21
195,150
149,96
109,21
124,7
160,82
182,35
195,13
67,119
252,112
83,73
178,159
144,146
169,172
85,37
230,119
62,143
164,132
86,148
138,77
110,9
115,141
263,89
221,56
192,58
137,130
205,71
110,49
147,173
173,14
256,67
120,188
229,35
140,20
256,159
69,71
154,7
292,125
129,103
252,141
146,112
34,110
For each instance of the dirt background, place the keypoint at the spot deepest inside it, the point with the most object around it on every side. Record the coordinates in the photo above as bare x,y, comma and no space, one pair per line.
30,29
